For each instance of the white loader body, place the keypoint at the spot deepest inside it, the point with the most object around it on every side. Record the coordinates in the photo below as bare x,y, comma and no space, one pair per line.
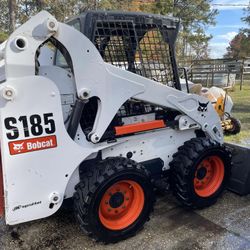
39,159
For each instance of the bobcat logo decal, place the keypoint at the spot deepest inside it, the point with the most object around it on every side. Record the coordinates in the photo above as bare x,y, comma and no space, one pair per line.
18,147
202,107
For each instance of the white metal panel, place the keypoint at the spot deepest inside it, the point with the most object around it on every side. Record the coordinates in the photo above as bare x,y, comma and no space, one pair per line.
162,143
31,177
46,56
65,82
2,71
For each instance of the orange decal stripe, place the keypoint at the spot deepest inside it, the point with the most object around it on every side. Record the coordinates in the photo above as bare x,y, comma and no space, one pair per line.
139,127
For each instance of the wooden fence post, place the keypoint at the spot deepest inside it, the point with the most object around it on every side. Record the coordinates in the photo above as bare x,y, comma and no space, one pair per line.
242,74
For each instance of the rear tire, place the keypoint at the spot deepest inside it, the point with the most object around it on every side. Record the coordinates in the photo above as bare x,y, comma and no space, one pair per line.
114,199
199,172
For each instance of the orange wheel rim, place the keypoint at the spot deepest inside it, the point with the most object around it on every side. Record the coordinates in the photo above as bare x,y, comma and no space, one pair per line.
121,205
209,176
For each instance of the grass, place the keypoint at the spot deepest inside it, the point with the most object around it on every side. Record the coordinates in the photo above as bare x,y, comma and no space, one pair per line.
241,111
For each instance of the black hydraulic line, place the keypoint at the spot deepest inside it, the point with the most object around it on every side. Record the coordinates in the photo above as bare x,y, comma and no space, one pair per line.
75,117
186,78
175,67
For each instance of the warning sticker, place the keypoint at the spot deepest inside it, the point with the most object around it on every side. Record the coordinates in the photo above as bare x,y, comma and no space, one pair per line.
34,144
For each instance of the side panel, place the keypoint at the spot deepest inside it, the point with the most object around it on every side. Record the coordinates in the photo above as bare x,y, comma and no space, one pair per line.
37,160
162,143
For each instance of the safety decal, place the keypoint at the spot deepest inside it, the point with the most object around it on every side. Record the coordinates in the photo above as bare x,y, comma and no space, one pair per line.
34,144
202,107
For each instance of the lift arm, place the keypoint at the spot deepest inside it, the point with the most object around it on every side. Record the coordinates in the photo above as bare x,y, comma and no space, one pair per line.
94,77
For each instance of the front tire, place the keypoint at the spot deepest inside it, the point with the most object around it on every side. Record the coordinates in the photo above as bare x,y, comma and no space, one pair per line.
114,199
199,172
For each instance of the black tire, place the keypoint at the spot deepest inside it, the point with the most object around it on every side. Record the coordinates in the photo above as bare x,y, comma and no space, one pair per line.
185,167
236,127
95,185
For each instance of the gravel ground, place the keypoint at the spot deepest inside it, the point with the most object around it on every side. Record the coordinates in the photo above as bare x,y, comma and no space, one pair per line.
226,225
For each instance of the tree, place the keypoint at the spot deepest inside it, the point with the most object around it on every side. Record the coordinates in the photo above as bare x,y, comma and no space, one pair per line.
198,45
3,36
127,5
12,15
61,9
4,16
239,47
195,15
246,18
40,4
7,18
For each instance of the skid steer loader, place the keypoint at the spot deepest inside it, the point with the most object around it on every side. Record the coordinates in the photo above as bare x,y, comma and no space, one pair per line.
104,132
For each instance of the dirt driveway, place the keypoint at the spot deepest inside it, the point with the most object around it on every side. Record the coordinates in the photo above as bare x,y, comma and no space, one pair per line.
225,225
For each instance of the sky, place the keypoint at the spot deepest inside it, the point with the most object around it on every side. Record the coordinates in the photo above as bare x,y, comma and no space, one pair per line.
228,23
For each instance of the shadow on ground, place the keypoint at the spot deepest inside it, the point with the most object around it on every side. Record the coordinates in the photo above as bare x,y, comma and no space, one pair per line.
226,225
